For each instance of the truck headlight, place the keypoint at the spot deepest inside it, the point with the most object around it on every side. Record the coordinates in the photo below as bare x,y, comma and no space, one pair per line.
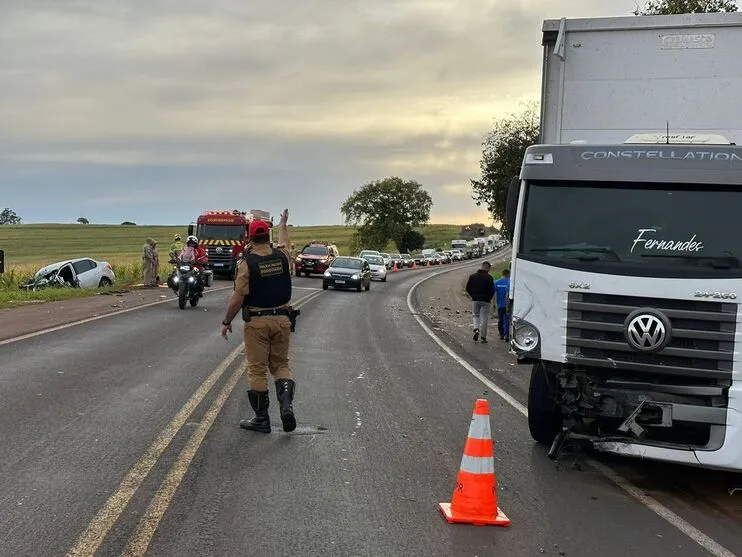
525,336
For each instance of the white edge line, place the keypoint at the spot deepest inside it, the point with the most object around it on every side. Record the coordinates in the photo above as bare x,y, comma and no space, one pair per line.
652,504
96,318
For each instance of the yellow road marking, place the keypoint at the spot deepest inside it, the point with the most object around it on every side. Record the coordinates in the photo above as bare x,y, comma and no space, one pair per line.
90,540
142,537
145,531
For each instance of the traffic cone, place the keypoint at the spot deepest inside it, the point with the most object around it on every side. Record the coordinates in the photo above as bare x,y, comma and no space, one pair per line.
414,265
474,498
395,267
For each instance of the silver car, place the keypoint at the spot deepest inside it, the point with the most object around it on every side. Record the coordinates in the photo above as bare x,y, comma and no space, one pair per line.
378,268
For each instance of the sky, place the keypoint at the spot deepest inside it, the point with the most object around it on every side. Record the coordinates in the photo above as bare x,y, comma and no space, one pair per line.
155,110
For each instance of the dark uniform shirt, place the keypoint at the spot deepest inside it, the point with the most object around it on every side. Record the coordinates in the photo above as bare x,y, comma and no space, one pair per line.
242,279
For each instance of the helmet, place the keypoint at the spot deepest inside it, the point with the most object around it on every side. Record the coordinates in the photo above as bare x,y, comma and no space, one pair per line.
192,239
177,237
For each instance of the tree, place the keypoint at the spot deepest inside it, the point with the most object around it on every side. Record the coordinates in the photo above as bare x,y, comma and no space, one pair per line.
128,223
411,241
8,216
386,210
502,157
669,7
83,220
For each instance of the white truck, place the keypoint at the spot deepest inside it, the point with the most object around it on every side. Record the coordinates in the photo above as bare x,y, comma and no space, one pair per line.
626,275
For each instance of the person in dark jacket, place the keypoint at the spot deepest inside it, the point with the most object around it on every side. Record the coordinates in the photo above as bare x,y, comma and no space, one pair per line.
481,288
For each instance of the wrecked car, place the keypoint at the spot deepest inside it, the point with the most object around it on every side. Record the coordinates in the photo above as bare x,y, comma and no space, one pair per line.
73,273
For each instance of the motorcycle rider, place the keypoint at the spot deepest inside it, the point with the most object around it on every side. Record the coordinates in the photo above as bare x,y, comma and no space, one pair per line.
195,254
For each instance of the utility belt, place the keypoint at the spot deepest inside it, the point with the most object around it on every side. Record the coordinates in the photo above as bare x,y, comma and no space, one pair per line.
289,312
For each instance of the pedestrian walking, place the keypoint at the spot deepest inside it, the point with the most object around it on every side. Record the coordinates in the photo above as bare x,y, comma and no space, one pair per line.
262,290
502,290
148,263
481,288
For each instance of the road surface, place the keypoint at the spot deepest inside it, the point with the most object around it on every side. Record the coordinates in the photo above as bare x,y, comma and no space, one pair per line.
120,437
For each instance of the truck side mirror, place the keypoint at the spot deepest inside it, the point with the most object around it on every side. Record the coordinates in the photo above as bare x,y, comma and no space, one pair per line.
190,230
511,206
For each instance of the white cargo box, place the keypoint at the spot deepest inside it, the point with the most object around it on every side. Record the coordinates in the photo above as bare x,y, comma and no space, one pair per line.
607,79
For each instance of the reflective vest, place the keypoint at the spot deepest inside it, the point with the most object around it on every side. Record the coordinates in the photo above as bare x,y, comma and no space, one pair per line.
270,280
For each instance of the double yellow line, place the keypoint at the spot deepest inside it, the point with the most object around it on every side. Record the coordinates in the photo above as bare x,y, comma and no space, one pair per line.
98,528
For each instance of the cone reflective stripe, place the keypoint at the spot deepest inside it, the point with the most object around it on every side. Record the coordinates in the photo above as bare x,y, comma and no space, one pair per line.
474,498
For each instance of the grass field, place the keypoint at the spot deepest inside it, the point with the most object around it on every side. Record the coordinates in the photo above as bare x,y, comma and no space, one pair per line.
30,246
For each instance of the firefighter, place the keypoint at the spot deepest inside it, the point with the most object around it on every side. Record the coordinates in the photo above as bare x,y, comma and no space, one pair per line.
263,291
176,246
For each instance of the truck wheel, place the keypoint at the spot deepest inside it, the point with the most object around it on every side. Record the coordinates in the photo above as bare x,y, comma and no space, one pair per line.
544,415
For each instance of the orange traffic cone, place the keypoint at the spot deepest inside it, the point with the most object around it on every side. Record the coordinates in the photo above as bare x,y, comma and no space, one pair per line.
474,498
414,265
395,267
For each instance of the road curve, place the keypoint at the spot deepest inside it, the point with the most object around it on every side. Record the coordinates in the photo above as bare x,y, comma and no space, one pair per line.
383,415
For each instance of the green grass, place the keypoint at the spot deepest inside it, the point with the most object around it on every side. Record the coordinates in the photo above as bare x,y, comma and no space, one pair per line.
30,246
38,244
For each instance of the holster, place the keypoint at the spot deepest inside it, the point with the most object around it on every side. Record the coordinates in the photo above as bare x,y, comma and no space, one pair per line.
289,312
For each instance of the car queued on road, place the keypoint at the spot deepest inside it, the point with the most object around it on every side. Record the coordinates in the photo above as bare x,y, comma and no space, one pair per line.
348,272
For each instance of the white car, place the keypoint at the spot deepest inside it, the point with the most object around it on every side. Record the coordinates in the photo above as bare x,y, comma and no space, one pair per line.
378,267
79,273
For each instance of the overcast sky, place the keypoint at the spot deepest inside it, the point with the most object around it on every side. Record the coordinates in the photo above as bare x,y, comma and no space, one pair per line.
154,110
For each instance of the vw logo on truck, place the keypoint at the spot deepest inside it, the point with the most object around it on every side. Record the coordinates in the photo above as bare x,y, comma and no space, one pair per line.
647,331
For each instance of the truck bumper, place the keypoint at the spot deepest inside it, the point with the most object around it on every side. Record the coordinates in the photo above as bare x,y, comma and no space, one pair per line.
728,457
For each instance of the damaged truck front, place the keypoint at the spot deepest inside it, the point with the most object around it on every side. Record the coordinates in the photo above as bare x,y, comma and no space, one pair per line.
626,277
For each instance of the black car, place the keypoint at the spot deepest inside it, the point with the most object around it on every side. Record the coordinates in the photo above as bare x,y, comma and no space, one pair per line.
347,272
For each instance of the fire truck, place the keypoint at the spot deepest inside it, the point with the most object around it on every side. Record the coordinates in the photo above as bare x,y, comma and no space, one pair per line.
224,235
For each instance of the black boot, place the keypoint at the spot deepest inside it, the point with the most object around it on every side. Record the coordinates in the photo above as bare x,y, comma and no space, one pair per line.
285,395
259,400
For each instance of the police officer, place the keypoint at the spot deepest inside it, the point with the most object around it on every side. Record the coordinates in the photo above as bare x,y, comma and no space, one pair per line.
263,290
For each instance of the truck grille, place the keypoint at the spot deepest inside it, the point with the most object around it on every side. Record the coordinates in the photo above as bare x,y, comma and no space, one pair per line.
224,257
701,345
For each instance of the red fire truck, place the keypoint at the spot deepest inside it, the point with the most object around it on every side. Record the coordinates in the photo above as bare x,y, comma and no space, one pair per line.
224,235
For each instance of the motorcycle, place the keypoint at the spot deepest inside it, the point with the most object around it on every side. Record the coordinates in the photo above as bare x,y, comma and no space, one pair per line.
186,282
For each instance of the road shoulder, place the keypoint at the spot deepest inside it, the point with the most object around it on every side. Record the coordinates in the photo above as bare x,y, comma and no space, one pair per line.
32,318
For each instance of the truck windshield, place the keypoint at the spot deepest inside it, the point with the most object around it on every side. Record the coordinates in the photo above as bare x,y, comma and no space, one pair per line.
220,232
673,230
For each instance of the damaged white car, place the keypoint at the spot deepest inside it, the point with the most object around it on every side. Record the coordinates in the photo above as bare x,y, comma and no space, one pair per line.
73,273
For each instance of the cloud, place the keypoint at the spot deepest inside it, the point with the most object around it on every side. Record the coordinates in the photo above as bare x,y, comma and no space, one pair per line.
195,98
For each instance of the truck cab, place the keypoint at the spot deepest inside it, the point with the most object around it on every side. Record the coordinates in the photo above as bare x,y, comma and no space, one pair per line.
626,273
224,235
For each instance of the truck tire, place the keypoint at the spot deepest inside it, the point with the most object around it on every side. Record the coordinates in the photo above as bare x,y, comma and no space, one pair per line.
544,415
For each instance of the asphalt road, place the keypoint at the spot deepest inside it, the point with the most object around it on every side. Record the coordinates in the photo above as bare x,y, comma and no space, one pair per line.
101,451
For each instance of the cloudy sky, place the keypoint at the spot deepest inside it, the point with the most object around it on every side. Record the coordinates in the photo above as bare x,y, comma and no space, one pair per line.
153,110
